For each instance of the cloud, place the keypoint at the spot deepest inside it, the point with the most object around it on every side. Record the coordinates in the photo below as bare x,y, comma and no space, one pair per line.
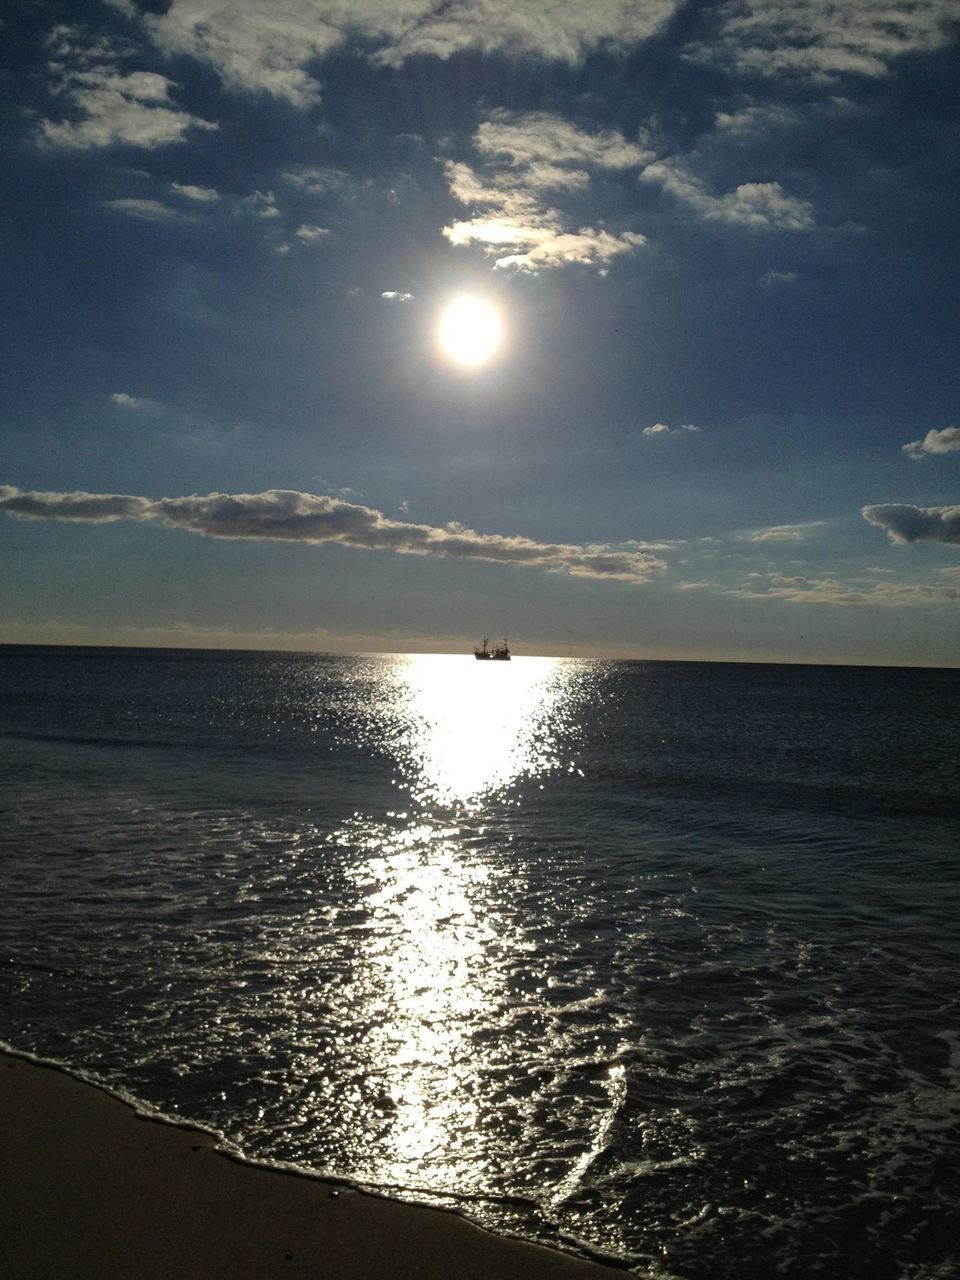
257,47
530,139
525,155
756,118
661,429
772,279
825,39
263,204
945,441
801,590
565,32
394,295
203,195
905,523
588,247
310,235
86,508
763,206
783,532
319,181
150,210
291,516
107,105
138,406
540,237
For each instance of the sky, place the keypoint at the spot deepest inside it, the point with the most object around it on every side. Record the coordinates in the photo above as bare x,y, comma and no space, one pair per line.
715,410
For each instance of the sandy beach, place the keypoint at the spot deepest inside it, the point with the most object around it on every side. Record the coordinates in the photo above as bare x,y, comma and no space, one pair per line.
90,1188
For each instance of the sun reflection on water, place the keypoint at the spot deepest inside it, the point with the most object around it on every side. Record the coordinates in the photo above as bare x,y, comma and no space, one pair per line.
474,728
431,972
427,968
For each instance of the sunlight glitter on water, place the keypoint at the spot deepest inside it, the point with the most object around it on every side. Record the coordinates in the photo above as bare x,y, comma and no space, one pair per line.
474,728
429,973
420,985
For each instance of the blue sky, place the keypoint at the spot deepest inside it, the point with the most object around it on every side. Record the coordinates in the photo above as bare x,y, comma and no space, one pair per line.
721,241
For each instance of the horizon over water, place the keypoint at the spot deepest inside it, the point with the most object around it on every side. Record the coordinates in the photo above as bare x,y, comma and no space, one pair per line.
655,959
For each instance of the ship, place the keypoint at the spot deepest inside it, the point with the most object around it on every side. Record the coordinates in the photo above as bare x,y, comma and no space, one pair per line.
483,653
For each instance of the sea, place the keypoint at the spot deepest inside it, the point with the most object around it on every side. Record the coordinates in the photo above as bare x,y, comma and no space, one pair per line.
657,962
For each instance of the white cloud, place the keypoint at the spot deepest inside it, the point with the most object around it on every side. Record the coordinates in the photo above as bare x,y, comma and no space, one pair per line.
905,523
756,118
287,515
319,181
761,205
263,204
783,532
109,106
588,247
269,47
203,195
772,279
310,235
528,139
260,47
394,295
824,39
661,429
253,46
565,31
135,407
800,590
945,441
151,210
527,154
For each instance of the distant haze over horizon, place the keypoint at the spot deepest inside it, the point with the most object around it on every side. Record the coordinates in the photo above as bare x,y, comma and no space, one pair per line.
631,333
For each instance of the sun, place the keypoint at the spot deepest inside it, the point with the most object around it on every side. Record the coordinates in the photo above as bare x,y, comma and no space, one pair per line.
470,331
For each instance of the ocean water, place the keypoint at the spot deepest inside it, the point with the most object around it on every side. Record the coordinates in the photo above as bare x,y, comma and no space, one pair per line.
658,960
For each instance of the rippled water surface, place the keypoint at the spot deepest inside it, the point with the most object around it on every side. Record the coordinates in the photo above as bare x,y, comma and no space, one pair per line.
661,958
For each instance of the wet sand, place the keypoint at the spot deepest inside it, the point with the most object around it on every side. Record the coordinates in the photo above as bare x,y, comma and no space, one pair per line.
89,1188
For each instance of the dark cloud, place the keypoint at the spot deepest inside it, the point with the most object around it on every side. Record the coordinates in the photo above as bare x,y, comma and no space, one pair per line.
87,508
290,516
905,523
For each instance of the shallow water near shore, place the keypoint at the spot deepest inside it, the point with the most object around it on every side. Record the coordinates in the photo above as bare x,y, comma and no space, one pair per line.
659,958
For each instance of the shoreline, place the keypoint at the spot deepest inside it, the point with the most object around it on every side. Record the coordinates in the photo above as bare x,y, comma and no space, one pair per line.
94,1187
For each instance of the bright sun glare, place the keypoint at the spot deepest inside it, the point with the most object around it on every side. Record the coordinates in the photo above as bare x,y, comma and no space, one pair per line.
470,331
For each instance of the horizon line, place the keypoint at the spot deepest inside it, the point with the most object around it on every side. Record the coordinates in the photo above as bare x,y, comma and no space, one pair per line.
457,653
